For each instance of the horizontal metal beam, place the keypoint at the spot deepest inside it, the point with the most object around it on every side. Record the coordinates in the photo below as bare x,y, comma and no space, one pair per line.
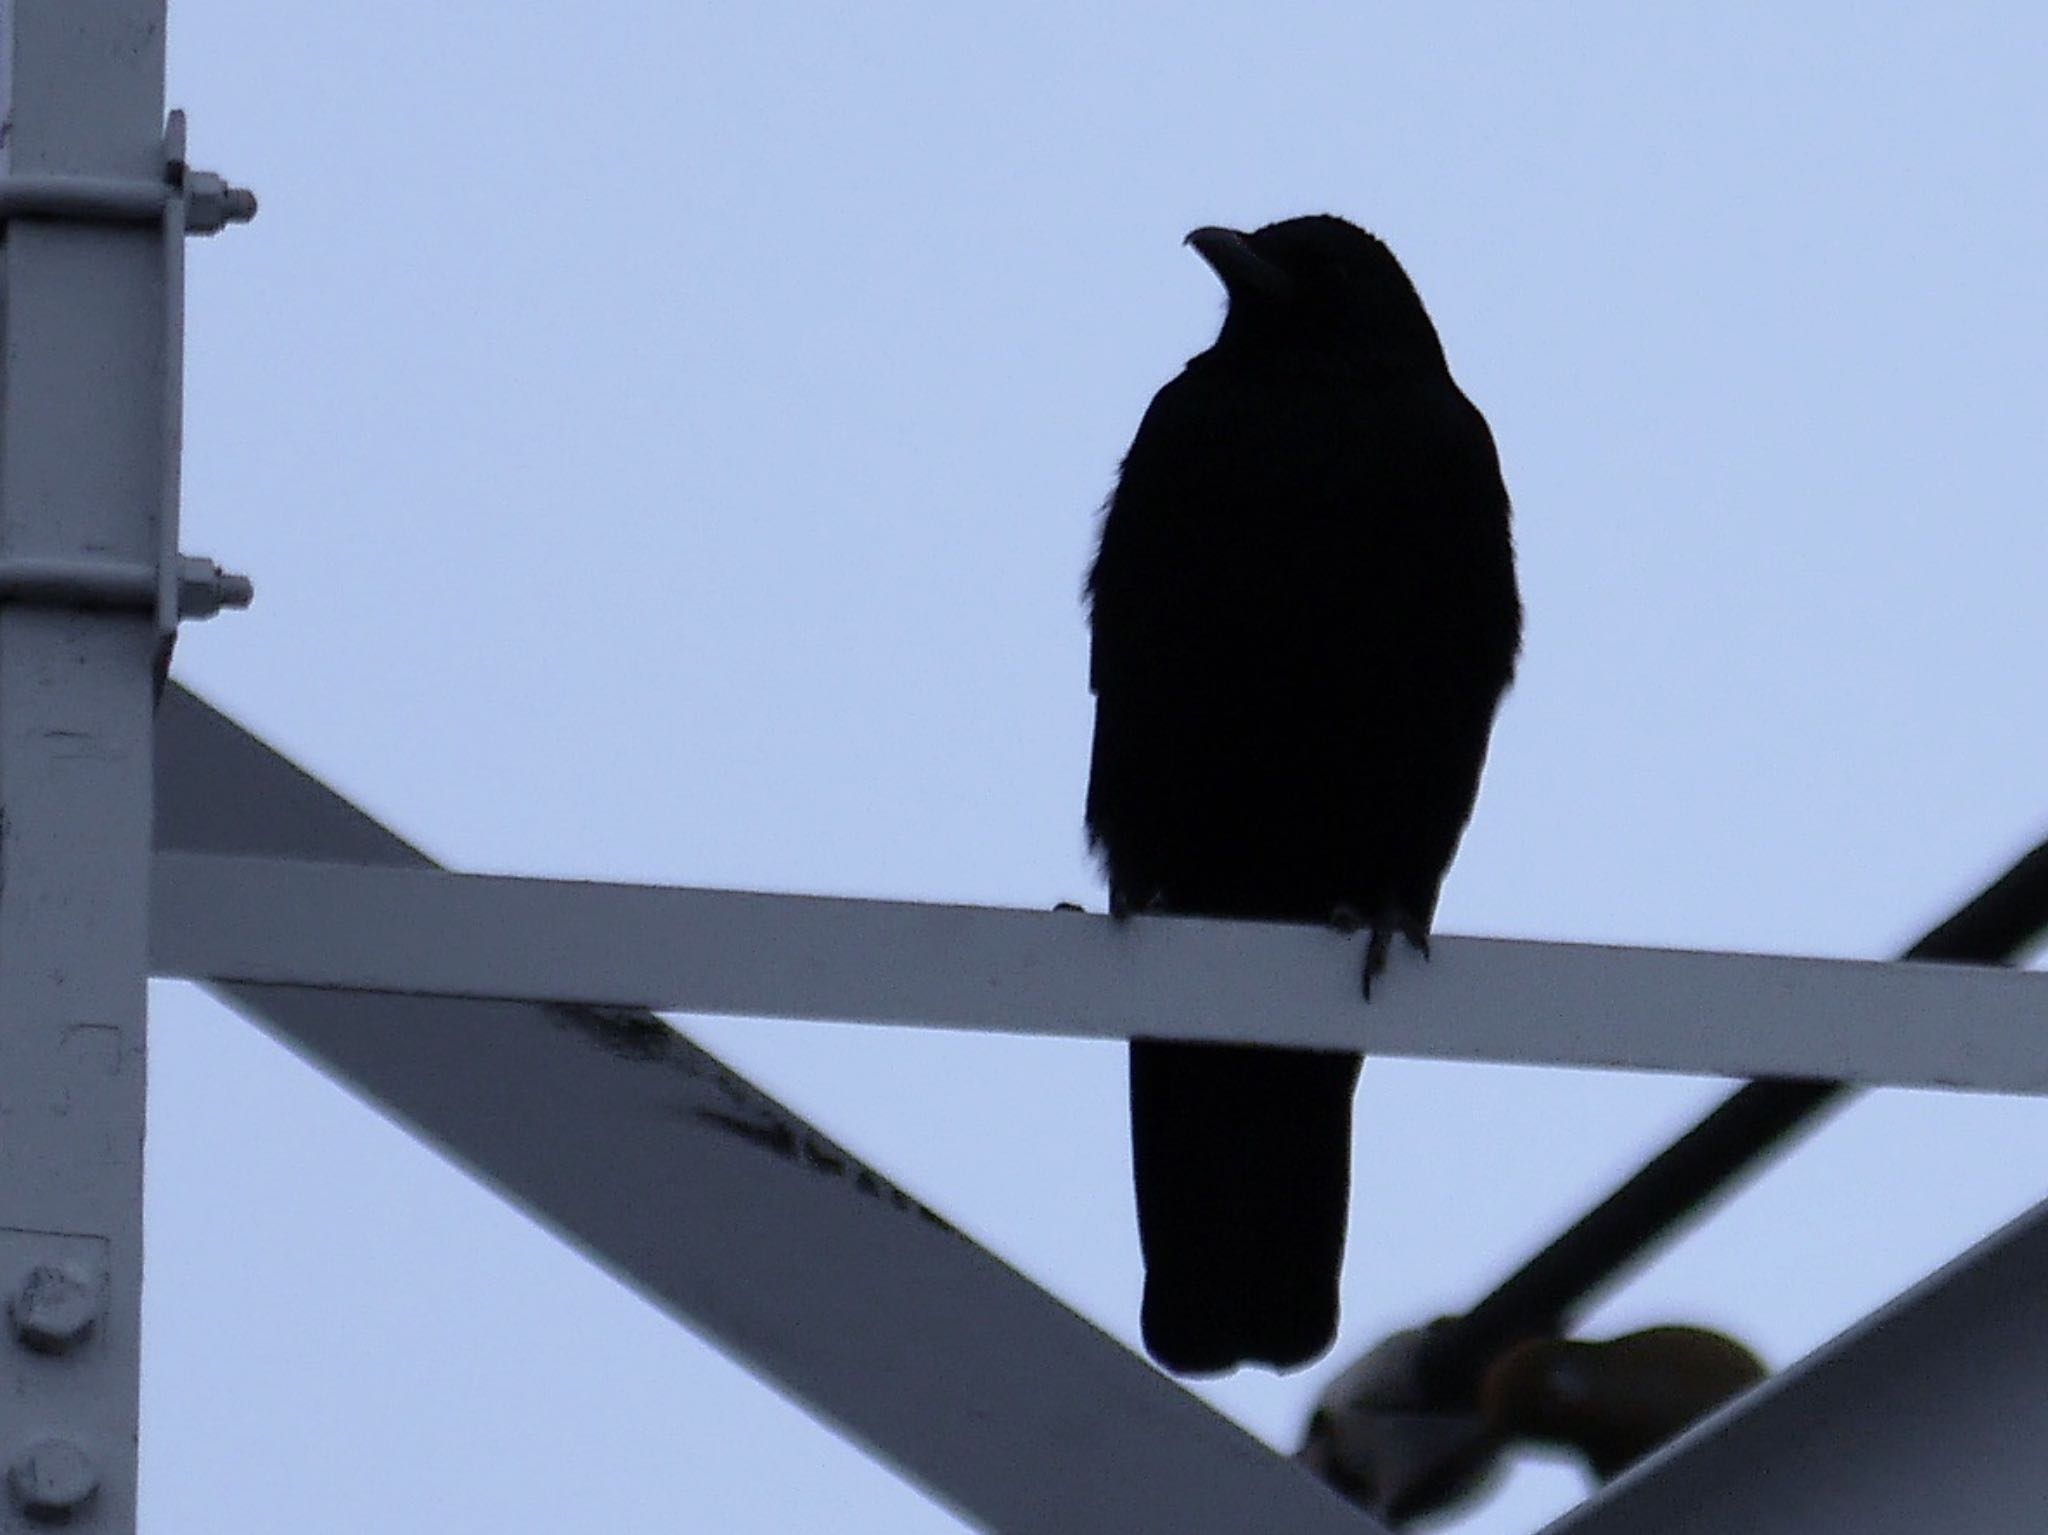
729,1211
1928,1416
421,931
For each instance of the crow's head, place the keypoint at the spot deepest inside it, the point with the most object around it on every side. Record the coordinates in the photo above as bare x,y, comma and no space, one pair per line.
1317,281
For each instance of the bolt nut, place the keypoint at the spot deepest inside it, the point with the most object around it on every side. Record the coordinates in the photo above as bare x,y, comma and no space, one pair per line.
211,204
204,588
54,1309
51,1480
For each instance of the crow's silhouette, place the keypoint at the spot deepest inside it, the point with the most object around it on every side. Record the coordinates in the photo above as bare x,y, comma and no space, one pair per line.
1304,615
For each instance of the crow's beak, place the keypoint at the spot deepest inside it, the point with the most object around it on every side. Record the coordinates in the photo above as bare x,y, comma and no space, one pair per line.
1242,269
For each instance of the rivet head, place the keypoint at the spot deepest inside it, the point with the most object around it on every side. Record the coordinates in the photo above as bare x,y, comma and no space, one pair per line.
52,1479
54,1308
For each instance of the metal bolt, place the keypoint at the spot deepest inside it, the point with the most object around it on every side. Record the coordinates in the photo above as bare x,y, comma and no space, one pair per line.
204,588
211,204
55,1308
52,1479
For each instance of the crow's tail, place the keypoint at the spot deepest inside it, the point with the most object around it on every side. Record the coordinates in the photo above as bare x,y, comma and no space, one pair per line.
1243,1163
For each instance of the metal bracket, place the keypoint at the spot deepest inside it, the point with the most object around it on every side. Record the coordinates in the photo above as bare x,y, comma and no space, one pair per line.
203,587
185,202
208,203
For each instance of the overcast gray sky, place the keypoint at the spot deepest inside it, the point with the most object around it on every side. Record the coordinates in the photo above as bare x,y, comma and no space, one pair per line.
667,441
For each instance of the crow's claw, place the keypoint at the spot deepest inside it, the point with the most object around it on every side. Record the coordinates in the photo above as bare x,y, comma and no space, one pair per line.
1346,918
1375,957
1382,938
1121,905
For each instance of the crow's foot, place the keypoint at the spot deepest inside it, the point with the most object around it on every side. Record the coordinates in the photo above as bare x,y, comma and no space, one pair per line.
1381,938
1121,905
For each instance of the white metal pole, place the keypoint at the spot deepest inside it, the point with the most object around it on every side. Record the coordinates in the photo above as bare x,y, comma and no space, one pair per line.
84,423
354,926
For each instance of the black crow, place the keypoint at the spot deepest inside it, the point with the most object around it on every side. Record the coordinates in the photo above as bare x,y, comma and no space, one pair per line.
1304,615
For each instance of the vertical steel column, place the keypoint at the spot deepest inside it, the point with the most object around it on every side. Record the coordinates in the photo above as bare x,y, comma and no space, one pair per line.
85,422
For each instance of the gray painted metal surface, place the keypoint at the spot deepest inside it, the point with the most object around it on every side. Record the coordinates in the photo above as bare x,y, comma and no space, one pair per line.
722,1206
1931,1415
778,956
85,312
